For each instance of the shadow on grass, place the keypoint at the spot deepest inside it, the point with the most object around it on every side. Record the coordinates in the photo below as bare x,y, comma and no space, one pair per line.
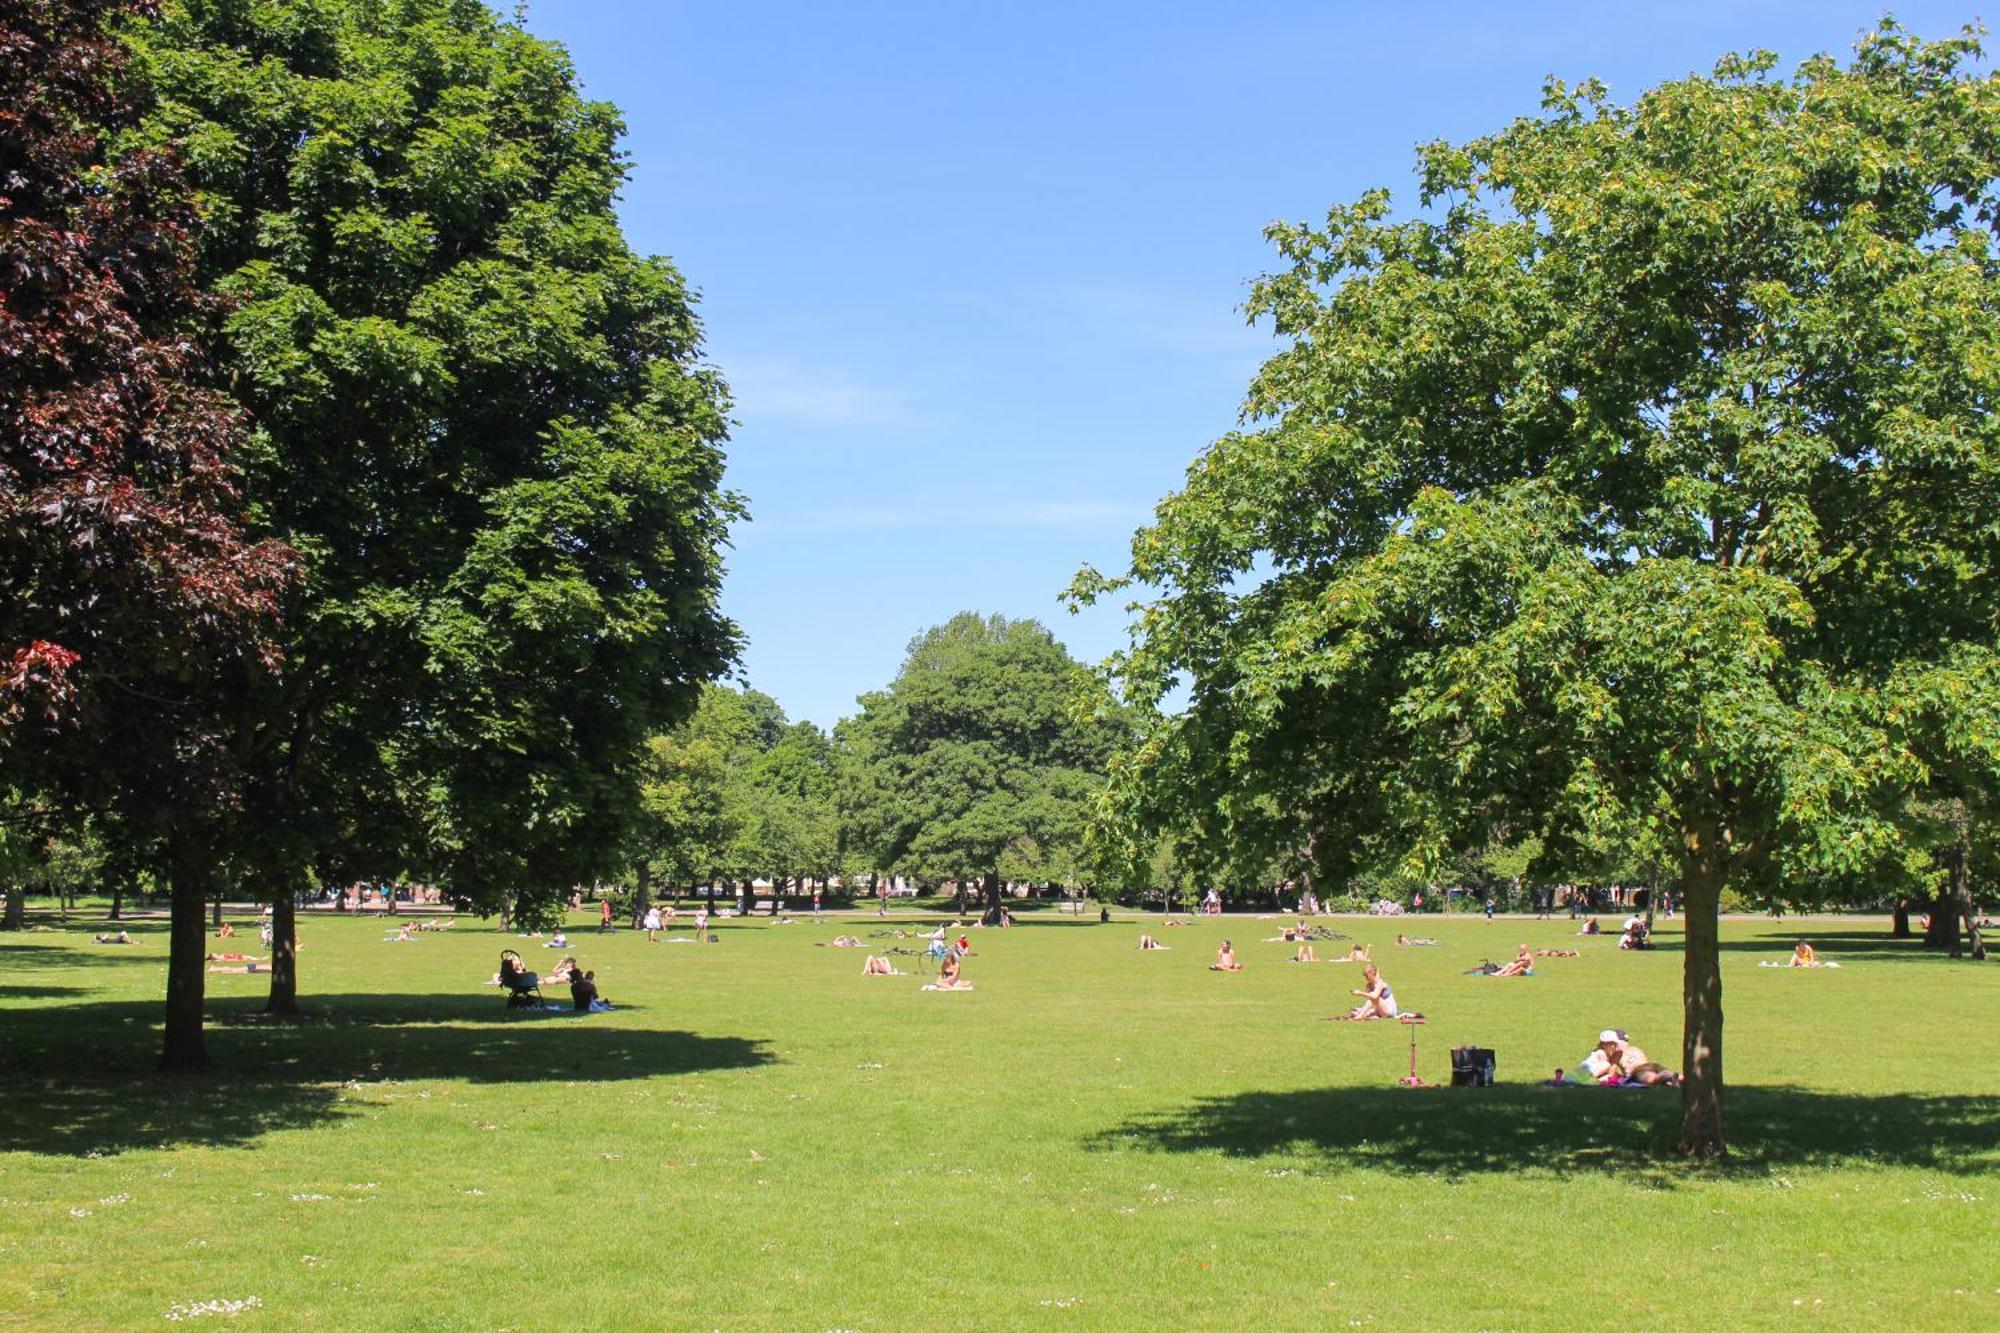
79,1080
1838,946
25,957
1567,1131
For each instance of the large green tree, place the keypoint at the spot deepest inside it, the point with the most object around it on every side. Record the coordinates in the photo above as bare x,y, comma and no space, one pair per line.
982,757
1646,478
479,417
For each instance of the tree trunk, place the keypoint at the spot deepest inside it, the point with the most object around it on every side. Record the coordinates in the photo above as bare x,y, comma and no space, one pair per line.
284,997
1701,1000
117,899
1899,920
186,957
217,922
992,894
17,909
642,895
1961,908
958,902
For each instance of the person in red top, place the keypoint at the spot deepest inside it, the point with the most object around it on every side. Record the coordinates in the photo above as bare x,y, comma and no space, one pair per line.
604,916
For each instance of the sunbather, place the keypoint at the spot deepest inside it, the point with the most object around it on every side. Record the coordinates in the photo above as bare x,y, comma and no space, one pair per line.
842,942
1148,942
948,977
1557,953
1378,1000
1357,953
876,966
225,931
1617,1061
1305,954
1405,942
120,938
1804,955
1225,960
1522,966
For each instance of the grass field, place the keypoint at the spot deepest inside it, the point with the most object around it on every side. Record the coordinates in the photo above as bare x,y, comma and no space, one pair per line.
759,1137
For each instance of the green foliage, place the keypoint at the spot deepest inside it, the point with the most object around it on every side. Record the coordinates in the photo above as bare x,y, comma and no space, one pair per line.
736,792
1639,492
479,417
981,758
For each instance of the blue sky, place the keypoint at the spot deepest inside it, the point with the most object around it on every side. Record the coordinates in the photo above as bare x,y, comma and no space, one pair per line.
975,272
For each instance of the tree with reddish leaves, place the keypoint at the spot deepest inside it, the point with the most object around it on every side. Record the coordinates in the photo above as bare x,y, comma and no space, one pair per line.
132,605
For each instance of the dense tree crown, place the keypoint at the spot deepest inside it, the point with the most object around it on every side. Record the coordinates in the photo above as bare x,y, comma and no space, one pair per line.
124,569
1647,479
478,415
981,757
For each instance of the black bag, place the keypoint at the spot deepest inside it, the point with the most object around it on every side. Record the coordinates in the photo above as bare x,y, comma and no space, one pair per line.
1471,1067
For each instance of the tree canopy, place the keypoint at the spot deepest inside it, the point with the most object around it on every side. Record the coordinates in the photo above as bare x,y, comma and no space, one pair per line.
481,420
980,759
1645,478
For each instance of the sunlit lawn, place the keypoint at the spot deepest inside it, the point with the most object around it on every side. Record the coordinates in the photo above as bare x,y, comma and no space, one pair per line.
759,1137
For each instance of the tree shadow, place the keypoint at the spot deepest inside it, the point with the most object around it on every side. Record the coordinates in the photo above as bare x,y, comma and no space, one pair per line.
1456,1132
38,992
1838,946
25,956
79,1081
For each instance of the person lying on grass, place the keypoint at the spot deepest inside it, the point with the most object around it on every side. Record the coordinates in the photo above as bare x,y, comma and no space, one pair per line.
1378,999
120,938
843,942
1405,942
1225,960
1356,953
1305,954
875,966
1148,942
1558,953
242,963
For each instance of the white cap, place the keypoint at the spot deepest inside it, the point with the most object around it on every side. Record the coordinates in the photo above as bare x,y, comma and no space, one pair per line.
1611,1035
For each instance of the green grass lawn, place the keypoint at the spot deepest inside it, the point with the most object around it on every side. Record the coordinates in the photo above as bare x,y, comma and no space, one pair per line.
759,1137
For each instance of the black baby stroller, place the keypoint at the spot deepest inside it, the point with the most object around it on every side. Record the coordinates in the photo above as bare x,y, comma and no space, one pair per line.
524,988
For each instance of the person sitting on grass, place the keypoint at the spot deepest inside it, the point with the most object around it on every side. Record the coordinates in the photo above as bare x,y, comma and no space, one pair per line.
583,992
1356,953
225,931
1522,966
1378,999
561,974
1617,1062
1148,942
1225,960
1305,954
1804,955
1590,926
948,977
877,966
120,938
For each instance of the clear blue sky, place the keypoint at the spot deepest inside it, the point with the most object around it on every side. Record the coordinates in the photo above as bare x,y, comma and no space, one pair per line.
974,272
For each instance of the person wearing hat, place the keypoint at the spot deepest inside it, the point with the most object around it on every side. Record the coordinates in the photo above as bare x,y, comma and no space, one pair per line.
1616,1060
